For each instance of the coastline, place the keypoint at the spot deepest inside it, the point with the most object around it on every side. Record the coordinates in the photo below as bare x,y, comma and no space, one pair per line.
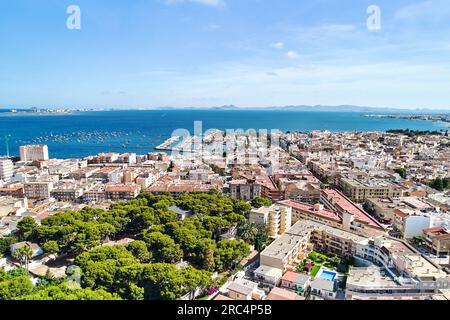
443,119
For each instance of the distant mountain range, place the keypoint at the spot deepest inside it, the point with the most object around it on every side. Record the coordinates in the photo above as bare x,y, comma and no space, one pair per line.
321,108
304,108
351,108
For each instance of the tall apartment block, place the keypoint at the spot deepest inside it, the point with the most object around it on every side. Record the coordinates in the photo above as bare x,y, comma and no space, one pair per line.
6,169
276,218
33,152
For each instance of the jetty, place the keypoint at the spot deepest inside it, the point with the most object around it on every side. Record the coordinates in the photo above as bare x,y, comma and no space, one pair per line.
167,145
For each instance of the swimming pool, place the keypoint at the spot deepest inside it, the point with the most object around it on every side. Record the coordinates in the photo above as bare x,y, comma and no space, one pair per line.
327,275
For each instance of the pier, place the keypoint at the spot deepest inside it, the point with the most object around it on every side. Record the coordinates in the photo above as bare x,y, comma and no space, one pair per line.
166,145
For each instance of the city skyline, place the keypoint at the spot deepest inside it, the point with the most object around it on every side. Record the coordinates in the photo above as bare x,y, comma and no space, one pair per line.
203,53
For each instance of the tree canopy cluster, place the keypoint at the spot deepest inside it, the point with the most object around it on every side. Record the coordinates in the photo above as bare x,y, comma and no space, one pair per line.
122,269
16,285
147,267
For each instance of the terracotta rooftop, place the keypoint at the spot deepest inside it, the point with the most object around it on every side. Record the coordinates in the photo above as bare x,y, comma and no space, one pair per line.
400,213
282,294
324,213
292,276
121,188
436,230
345,204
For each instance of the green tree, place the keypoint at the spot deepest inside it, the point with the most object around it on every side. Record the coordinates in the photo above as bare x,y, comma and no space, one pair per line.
402,172
248,232
51,247
203,255
440,184
150,198
215,225
165,282
241,207
64,292
228,253
17,272
261,241
26,226
100,266
163,247
13,287
140,251
209,264
136,292
5,244
259,202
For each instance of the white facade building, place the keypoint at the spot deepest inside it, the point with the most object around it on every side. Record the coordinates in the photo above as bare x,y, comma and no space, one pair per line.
6,169
276,218
412,222
33,152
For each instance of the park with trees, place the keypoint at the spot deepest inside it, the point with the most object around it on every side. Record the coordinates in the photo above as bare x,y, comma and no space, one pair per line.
147,267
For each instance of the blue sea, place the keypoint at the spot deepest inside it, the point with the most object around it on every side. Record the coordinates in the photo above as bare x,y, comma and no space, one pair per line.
81,134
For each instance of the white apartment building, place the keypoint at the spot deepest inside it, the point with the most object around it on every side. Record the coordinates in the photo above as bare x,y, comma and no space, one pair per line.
276,218
6,169
398,272
412,222
33,152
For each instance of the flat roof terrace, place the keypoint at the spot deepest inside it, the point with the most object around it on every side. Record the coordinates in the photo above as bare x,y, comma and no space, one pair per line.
282,246
370,278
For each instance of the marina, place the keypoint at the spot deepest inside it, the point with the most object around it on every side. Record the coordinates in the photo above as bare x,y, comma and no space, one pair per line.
166,145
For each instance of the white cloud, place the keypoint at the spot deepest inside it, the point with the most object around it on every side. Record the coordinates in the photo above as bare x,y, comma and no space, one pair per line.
277,45
426,11
403,84
211,3
293,55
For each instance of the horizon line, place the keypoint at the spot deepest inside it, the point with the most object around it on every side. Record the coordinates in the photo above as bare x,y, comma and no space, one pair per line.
229,108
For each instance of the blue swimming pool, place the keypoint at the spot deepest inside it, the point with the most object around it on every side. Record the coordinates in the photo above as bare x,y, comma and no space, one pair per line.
327,275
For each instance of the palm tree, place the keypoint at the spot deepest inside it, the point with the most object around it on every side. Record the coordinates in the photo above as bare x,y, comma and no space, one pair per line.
248,232
24,254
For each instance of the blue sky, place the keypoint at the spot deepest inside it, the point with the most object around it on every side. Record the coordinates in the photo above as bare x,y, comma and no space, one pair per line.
253,53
